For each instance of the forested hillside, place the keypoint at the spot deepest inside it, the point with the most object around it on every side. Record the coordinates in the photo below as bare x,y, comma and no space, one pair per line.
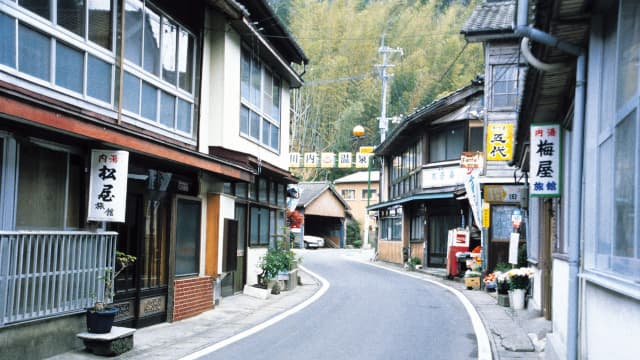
343,86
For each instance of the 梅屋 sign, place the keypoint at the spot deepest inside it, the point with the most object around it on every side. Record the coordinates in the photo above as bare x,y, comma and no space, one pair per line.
544,169
108,185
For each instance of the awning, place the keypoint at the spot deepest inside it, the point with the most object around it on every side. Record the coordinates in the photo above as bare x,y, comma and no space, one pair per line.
440,195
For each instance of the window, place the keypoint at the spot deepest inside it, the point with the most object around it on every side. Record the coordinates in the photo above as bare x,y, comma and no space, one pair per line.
266,225
260,110
187,236
159,71
73,52
348,194
504,86
372,194
612,235
47,53
446,144
417,228
405,171
391,224
51,178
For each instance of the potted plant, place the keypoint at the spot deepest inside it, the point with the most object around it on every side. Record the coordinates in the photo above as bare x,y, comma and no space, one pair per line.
472,279
518,285
100,317
414,263
277,262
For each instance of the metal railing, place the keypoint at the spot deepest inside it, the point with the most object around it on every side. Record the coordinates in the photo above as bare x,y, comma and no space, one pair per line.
48,273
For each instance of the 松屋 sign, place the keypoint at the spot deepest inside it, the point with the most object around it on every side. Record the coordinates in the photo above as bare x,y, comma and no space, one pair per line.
545,157
108,185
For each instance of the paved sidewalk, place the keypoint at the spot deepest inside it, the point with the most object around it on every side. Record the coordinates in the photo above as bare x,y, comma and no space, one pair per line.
514,334
232,316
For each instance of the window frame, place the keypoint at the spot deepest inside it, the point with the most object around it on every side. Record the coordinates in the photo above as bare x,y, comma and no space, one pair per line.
348,194
250,106
602,132
510,83
196,254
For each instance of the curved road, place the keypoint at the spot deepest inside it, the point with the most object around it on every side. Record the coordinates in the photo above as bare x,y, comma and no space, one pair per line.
367,313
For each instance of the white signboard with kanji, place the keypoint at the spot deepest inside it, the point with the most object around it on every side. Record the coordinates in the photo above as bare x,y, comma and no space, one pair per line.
362,160
545,163
344,160
108,185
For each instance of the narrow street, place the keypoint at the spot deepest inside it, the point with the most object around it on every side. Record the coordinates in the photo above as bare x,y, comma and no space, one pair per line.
367,313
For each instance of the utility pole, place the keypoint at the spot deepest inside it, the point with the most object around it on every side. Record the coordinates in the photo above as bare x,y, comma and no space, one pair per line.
384,51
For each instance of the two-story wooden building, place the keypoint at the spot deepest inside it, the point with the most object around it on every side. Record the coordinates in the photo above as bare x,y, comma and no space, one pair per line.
192,99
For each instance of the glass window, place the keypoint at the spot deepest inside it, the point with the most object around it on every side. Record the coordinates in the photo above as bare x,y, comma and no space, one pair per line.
99,79
187,237
184,116
8,43
40,7
262,190
169,50
131,95
505,86
167,109
151,41
52,179
70,15
260,92
68,61
612,235
186,46
34,53
348,194
133,31
447,144
101,23
149,101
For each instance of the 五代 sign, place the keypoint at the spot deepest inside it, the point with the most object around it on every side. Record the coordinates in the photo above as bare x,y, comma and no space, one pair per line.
545,160
108,185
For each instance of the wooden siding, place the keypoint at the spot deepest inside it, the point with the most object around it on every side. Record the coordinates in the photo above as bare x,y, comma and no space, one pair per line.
326,205
212,231
417,250
390,251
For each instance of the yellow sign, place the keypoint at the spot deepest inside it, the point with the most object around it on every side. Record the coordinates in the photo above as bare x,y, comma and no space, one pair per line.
366,149
499,142
486,215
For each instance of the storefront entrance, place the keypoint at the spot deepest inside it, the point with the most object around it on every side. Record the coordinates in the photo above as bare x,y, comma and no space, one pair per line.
141,291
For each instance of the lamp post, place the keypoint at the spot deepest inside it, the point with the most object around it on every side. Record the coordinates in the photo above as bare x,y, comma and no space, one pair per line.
358,132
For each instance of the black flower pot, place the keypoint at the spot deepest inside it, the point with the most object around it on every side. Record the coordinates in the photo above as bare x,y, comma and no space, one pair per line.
100,322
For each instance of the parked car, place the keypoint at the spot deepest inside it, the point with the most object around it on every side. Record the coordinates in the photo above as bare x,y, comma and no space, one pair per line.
311,241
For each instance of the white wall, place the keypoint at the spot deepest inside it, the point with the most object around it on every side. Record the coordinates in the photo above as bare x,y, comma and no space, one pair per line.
220,107
253,259
610,324
559,306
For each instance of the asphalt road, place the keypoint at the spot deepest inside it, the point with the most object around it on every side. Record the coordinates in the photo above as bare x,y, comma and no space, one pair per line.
367,313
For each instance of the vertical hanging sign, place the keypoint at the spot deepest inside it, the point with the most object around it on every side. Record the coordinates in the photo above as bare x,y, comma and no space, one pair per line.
344,160
362,160
108,185
327,160
545,160
294,160
499,142
310,160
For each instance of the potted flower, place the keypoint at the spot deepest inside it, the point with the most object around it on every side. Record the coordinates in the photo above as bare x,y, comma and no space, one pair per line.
518,285
277,264
100,317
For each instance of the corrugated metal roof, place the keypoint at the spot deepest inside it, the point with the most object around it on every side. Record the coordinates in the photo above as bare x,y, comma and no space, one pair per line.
359,177
309,191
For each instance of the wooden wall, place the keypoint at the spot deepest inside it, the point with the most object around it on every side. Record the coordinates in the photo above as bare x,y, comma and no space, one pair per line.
390,251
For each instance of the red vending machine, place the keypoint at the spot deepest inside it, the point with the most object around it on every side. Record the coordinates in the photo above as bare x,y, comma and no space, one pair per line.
458,242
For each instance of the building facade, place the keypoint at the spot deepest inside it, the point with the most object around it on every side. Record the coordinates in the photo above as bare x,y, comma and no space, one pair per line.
150,82
359,190
587,236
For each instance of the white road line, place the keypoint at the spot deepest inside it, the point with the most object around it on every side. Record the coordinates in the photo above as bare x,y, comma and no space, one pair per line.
484,347
266,324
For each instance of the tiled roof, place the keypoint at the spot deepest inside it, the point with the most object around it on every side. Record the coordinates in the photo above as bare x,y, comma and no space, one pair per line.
310,191
492,16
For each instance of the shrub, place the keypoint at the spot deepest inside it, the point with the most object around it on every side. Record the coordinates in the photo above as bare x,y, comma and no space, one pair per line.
357,243
353,232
